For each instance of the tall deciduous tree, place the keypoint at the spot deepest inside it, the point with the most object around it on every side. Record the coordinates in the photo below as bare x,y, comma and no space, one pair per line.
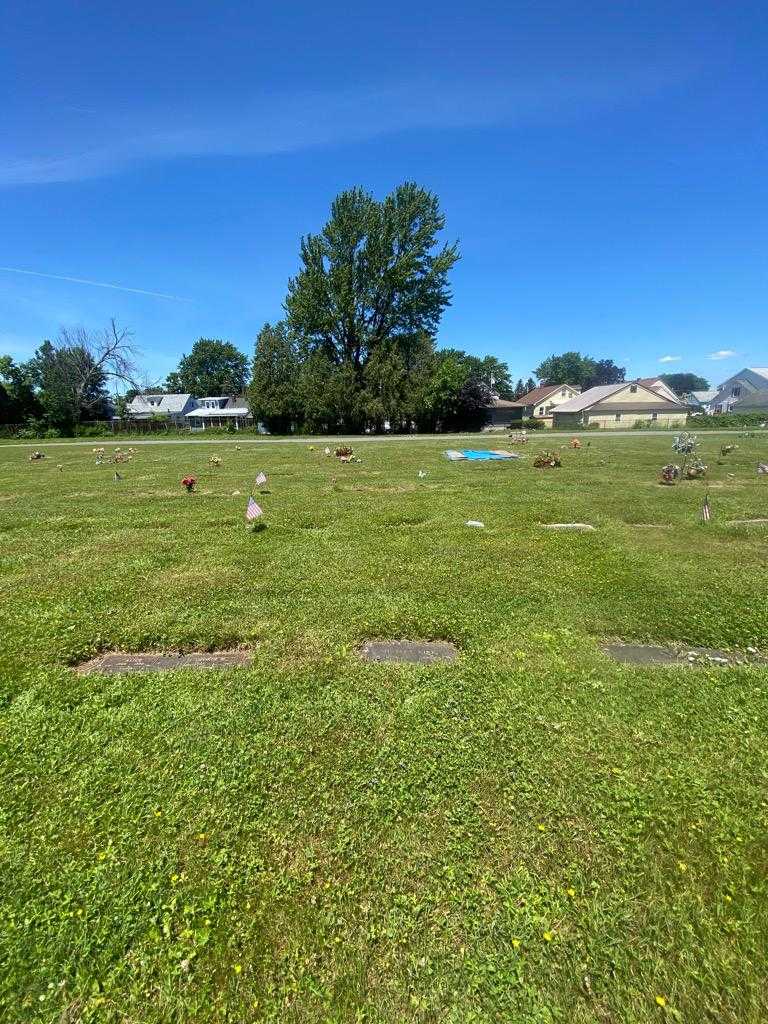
71,376
605,372
682,383
21,401
458,393
375,275
273,392
568,368
213,367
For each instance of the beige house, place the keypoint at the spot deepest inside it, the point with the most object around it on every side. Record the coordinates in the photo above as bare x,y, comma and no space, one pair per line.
541,403
621,406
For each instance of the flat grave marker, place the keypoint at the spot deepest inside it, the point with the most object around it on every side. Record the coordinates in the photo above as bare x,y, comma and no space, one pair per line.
409,651
121,663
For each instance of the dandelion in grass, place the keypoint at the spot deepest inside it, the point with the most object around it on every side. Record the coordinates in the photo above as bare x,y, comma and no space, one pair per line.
661,1001
548,936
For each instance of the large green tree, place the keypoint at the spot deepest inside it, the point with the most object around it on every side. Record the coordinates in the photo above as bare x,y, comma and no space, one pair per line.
273,392
371,281
458,393
71,385
213,367
568,368
682,383
21,402
605,372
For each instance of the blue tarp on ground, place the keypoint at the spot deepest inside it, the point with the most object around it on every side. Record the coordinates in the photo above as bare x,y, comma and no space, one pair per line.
470,453
477,455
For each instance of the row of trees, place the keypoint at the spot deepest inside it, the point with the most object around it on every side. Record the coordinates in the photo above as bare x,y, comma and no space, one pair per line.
575,368
356,350
69,380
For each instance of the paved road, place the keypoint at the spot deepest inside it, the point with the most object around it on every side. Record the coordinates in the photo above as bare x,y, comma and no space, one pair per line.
498,439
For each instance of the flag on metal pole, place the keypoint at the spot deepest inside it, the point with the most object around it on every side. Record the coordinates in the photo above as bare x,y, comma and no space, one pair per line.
261,479
252,511
706,512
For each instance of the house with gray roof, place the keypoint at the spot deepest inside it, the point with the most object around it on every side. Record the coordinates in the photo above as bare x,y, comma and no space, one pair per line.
701,401
170,407
745,391
619,406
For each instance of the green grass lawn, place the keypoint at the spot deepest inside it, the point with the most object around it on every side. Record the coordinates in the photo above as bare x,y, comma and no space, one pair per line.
529,834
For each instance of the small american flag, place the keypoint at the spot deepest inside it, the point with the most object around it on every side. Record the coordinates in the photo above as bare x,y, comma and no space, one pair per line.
261,479
706,512
252,510
762,469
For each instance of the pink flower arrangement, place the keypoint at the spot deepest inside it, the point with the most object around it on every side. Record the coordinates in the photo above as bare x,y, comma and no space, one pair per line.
189,482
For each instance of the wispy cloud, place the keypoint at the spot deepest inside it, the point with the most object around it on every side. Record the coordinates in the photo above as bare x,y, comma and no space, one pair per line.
670,359
95,284
273,124
723,353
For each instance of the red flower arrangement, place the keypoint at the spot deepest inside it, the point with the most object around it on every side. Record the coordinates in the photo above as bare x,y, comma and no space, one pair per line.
189,482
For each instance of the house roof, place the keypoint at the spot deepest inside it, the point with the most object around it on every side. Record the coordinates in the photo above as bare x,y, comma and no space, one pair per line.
761,371
703,396
502,403
598,394
167,403
591,397
540,393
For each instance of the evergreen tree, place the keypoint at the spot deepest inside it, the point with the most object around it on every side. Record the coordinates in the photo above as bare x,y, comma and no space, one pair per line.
273,392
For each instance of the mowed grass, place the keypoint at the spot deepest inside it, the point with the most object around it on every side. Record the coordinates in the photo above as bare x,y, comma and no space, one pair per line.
530,834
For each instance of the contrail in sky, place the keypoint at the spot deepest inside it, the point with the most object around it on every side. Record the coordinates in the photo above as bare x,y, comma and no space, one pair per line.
95,284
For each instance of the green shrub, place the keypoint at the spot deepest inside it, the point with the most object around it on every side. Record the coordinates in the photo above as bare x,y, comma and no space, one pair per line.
532,424
729,420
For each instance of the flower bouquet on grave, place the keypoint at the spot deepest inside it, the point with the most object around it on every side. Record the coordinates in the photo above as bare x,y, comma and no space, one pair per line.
575,442
215,461
36,456
696,470
670,474
188,482
547,460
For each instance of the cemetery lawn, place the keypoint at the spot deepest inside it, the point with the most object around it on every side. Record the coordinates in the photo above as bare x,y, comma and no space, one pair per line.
532,833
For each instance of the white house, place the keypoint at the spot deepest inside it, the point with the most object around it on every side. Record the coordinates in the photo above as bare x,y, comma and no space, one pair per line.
219,411
745,391
171,407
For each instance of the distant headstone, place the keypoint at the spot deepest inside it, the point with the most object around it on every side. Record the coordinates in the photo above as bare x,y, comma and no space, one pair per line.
579,527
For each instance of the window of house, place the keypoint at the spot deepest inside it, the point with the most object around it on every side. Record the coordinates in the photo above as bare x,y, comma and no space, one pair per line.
633,388
654,415
563,392
617,416
541,411
736,391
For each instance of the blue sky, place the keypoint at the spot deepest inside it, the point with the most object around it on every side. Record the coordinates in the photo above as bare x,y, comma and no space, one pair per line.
603,166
